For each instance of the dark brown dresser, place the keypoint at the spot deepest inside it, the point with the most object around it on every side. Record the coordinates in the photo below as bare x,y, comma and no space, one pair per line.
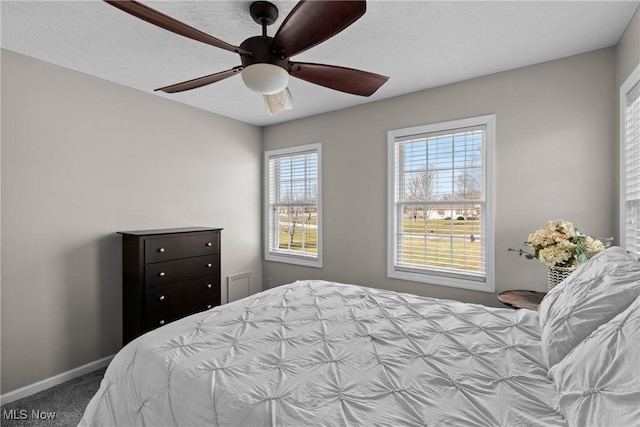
167,274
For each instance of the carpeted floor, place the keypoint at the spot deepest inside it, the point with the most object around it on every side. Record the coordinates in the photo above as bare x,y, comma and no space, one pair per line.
59,406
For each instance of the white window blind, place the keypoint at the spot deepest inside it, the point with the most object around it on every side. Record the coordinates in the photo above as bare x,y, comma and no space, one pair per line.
630,164
440,206
292,209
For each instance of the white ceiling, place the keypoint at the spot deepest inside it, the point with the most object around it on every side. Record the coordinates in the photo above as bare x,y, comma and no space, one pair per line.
418,44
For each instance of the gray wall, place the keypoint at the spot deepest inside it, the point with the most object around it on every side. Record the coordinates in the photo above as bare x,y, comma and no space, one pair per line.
555,158
628,50
81,159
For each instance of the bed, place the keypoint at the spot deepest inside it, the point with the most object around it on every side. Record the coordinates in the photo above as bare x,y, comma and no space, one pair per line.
321,353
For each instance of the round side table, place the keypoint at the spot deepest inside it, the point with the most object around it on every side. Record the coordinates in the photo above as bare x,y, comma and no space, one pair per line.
521,299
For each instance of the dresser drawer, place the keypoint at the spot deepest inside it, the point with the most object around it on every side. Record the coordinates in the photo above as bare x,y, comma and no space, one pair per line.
163,273
176,247
162,316
164,296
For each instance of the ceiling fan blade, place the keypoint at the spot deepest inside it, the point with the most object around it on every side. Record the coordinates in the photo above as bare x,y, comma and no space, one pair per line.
343,79
200,81
154,17
312,22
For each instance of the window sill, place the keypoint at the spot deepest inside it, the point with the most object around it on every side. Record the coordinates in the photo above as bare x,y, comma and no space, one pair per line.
452,282
292,259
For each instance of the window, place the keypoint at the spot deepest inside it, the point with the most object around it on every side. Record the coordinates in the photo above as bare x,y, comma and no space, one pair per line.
293,213
630,163
440,206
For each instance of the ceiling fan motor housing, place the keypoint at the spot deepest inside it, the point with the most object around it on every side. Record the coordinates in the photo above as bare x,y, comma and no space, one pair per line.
261,48
263,13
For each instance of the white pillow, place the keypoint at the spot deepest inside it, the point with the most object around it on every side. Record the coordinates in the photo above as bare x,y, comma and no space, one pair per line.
599,381
591,296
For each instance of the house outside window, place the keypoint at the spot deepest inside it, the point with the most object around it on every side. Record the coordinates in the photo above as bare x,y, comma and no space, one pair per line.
630,163
440,203
293,206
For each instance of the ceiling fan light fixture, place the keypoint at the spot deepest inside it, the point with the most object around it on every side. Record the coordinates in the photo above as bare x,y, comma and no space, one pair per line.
267,79
279,101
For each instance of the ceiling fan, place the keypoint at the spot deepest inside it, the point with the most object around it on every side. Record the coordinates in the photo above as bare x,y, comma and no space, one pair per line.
265,60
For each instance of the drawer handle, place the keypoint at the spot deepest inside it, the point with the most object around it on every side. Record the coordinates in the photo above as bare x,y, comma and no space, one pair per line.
161,274
209,285
161,322
161,250
208,305
161,297
208,244
209,265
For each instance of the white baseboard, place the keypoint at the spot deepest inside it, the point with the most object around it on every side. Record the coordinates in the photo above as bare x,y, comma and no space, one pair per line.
54,381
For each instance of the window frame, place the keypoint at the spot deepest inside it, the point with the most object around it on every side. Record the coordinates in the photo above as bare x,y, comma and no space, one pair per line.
283,256
487,284
630,82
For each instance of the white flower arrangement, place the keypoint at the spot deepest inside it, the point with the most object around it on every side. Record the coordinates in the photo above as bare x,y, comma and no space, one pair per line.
560,244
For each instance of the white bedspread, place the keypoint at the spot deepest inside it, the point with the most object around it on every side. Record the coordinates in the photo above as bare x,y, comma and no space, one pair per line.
321,353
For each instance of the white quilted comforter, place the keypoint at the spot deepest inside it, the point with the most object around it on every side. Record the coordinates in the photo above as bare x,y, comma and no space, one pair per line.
321,353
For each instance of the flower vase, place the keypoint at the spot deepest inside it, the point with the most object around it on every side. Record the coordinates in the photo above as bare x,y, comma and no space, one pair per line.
555,275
